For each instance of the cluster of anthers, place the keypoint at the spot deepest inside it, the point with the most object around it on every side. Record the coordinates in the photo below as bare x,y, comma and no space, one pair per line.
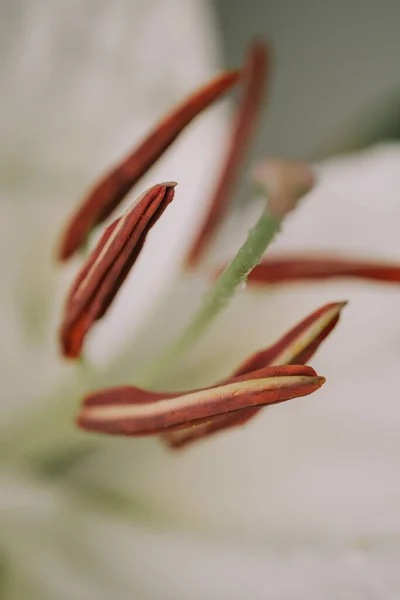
271,375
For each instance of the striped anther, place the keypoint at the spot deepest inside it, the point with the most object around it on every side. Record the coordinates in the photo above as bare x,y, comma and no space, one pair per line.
284,383
299,344
109,264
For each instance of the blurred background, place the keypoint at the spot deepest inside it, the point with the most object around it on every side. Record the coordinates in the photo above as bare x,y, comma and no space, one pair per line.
304,501
335,85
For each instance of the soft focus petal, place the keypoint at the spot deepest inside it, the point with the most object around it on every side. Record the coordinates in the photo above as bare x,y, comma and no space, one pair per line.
48,543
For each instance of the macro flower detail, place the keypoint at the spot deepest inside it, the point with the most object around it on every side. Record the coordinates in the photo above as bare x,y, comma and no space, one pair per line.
275,374
141,368
256,76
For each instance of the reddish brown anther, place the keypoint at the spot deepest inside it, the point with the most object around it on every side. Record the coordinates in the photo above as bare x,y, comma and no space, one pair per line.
256,77
296,347
114,186
135,412
107,267
291,269
300,343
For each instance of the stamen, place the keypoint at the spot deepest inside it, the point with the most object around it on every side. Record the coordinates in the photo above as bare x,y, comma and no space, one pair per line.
290,269
106,269
256,73
138,417
116,184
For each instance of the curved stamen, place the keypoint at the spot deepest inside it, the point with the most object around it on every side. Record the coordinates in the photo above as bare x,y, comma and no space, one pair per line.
116,184
256,73
136,415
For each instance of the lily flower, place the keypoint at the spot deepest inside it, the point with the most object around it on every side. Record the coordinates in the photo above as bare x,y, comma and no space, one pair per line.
83,516
132,411
197,413
291,269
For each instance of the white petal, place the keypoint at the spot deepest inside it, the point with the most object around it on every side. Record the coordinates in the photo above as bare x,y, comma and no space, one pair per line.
324,466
